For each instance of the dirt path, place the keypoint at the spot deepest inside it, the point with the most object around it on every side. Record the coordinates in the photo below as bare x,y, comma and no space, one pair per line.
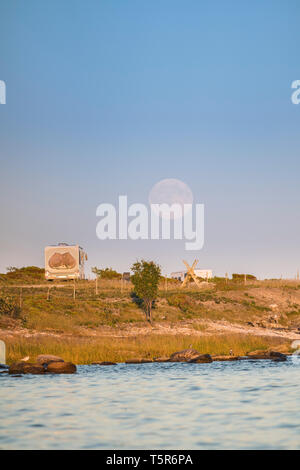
190,328
226,327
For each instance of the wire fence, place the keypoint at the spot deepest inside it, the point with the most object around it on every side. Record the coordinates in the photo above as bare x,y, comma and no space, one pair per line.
102,288
83,290
77,290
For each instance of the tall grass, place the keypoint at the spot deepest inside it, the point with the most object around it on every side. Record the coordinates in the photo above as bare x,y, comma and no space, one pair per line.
86,350
56,310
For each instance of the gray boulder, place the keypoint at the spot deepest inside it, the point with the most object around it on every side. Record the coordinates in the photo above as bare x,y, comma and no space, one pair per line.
104,363
48,358
201,359
227,358
138,361
273,355
61,368
26,368
161,359
184,356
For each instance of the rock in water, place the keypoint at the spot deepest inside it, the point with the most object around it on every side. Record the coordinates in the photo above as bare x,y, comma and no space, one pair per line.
33,369
277,356
201,359
274,355
104,363
47,358
61,368
138,361
161,359
259,352
26,368
185,355
226,358
17,368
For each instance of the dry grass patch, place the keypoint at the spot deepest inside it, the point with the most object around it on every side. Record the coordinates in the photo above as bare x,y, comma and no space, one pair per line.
86,350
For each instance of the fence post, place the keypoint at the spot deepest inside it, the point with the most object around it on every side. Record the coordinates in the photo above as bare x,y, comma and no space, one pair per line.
48,293
96,285
74,290
21,299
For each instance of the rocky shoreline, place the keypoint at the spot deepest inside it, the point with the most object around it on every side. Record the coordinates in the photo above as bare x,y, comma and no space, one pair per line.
45,364
48,364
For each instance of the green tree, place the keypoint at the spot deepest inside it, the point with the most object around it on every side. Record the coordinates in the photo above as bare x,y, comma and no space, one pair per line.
146,277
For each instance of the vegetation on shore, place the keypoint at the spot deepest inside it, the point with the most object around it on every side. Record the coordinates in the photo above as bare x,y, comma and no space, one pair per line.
82,350
52,307
88,316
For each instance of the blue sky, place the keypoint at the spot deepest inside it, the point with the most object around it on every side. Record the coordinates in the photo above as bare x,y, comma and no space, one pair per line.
109,97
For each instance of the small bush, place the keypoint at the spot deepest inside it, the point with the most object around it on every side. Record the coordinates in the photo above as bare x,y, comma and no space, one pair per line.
9,308
107,273
241,277
181,301
28,274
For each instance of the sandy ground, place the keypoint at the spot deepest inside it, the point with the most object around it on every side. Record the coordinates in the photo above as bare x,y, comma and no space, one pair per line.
207,328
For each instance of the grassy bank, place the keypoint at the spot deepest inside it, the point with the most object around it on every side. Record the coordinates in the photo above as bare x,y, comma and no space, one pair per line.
86,350
83,318
112,305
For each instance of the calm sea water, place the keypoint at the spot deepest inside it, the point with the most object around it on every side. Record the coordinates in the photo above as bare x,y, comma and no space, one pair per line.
237,405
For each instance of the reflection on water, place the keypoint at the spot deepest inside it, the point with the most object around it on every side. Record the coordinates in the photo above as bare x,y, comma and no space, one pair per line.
239,405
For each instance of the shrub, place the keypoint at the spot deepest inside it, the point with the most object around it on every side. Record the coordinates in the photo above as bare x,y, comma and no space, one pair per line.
179,300
241,277
107,273
25,274
9,308
146,276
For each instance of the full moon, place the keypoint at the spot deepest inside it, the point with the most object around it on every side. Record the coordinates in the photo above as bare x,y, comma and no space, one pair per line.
170,191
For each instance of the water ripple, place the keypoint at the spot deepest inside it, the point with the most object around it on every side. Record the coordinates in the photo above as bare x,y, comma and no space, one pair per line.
238,405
